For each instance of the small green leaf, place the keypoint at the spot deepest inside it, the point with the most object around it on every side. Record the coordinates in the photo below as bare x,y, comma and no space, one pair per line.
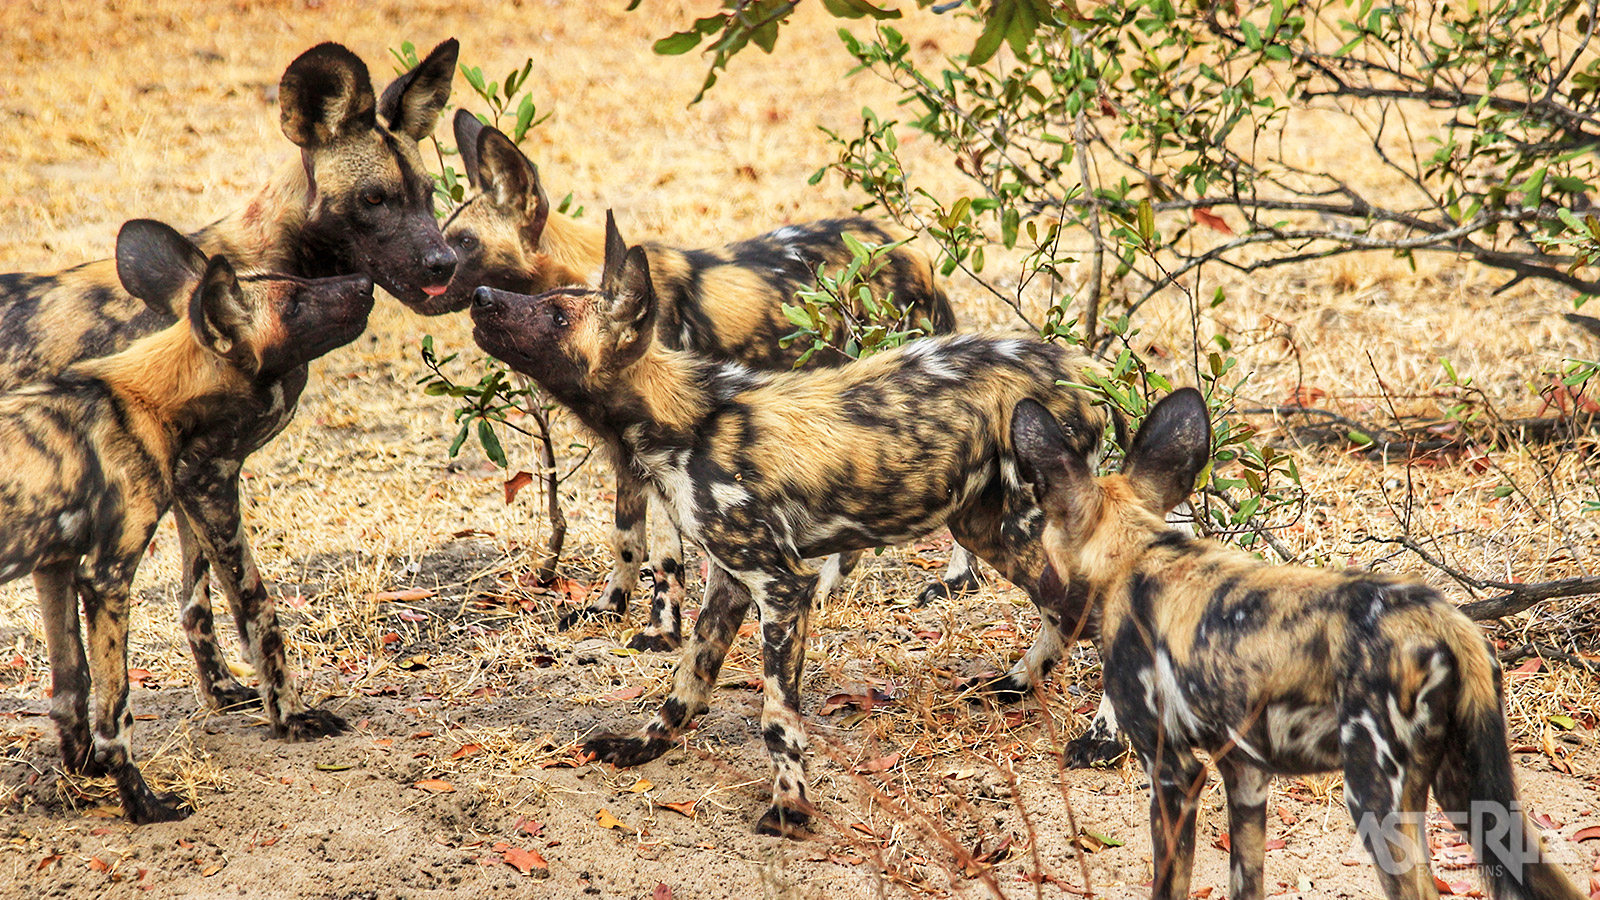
491,443
1565,723
676,44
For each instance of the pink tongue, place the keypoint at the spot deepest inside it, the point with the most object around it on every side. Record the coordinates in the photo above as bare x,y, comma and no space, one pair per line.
435,290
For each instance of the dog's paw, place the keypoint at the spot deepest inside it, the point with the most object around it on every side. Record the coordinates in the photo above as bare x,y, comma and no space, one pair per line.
948,590
624,752
1003,688
233,696
579,616
1091,752
146,807
785,822
310,725
660,642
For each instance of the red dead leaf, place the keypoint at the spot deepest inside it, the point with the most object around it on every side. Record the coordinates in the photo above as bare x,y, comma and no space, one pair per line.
1442,885
1527,668
408,595
1211,220
525,861
1544,821
881,764
138,675
466,750
662,892
1275,844
48,861
529,827
516,483
1223,842
389,637
627,693
99,865
1587,834
1286,816
686,808
1202,893
435,786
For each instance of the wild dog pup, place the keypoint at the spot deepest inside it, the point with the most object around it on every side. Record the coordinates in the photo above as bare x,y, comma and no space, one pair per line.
1276,670
356,199
767,469
725,303
92,454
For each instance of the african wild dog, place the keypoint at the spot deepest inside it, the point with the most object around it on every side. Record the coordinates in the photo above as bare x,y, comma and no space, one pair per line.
1276,670
92,454
766,469
725,303
356,200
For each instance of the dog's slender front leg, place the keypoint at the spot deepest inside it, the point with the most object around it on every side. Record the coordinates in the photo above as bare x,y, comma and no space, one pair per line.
209,496
784,602
1247,827
667,590
105,604
1176,779
960,578
218,687
720,615
69,667
627,553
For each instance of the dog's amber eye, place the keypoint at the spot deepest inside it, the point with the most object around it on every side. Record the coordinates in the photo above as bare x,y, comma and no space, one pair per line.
373,198
466,241
559,317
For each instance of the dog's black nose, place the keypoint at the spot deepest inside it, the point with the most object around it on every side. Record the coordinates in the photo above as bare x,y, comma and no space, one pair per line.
483,298
440,264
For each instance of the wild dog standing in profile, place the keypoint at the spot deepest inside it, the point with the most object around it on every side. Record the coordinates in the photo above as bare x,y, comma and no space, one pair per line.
766,469
357,201
1277,670
725,303
92,459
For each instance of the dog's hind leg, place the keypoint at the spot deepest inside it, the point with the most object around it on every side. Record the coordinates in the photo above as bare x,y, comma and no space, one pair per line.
784,600
105,605
1247,826
1176,780
218,687
69,667
1386,790
726,602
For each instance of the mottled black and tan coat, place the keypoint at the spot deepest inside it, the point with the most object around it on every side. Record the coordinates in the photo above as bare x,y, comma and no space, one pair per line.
765,470
358,200
1277,670
724,303
92,455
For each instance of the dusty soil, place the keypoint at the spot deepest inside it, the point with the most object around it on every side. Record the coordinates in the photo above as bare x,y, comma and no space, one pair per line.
467,703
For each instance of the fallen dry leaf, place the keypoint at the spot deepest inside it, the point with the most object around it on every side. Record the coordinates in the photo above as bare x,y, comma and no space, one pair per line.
212,869
99,865
1211,220
605,819
408,595
466,750
1587,834
516,483
1275,844
529,827
525,861
881,764
640,786
662,892
686,808
627,693
435,786
48,861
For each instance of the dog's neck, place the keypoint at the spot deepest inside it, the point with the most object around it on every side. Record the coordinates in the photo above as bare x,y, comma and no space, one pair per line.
659,402
268,234
169,386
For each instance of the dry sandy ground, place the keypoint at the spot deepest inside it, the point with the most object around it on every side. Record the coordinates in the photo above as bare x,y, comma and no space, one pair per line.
166,110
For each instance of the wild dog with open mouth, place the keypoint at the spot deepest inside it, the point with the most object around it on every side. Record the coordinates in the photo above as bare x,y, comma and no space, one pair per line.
766,469
1276,670
93,454
357,200
725,303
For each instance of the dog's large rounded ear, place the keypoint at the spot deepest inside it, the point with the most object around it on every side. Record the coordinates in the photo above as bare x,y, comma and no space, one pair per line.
219,313
1171,449
1045,458
158,265
511,181
630,294
325,94
411,104
467,127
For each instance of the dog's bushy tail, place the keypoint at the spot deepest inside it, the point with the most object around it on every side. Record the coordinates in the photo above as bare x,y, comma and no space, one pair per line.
1474,785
